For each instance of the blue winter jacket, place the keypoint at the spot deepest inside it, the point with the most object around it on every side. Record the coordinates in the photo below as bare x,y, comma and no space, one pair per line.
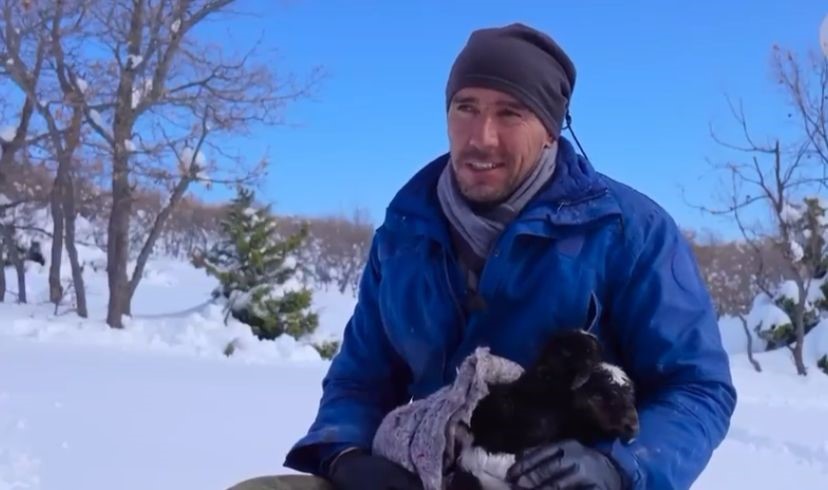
584,235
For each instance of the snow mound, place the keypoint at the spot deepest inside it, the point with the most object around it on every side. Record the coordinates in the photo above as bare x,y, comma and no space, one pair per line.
201,333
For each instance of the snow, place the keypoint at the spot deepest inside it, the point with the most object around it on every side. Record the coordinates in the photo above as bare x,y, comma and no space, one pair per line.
83,405
81,416
99,121
766,313
133,61
82,84
790,213
189,156
778,438
96,118
797,253
139,92
136,97
789,290
773,317
197,332
7,133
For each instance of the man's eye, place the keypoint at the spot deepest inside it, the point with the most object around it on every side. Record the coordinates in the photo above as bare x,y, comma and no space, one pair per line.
510,114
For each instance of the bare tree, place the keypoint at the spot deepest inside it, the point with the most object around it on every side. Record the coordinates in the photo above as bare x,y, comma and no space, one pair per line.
11,213
729,269
11,65
774,177
341,248
753,361
160,97
45,30
19,199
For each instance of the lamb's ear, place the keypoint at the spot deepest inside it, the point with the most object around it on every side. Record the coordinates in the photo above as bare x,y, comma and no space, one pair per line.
580,379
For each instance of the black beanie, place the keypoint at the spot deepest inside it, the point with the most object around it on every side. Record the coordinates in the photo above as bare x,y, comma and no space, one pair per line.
521,61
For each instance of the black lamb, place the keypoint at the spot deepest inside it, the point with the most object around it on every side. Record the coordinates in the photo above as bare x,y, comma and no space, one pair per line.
33,254
568,393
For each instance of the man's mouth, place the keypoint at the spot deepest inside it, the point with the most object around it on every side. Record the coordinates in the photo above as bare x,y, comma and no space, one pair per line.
481,165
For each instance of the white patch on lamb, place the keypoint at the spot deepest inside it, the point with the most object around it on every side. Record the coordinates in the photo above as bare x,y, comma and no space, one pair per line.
618,375
489,468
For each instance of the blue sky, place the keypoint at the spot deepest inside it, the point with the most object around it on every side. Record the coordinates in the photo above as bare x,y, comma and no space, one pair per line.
652,76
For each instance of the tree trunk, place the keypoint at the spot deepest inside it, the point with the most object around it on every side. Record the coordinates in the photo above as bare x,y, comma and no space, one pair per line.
3,272
117,249
21,279
14,258
55,287
753,361
155,232
2,234
799,326
77,272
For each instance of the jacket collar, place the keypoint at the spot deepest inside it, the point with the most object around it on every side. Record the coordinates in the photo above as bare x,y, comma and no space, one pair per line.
575,194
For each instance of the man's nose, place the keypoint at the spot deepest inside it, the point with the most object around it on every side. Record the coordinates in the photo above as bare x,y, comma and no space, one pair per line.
484,132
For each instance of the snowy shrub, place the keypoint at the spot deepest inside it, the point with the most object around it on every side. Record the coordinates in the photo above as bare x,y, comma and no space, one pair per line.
822,302
776,326
327,348
257,274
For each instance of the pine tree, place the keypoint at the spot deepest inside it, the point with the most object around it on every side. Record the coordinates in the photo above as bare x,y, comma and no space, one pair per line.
253,266
803,242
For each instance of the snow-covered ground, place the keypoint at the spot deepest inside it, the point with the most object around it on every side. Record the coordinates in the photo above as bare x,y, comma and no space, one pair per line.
159,406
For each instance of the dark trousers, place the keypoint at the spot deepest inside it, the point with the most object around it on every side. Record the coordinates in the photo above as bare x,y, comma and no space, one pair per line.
284,482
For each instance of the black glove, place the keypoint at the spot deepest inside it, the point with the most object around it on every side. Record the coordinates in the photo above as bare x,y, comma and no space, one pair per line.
358,470
567,465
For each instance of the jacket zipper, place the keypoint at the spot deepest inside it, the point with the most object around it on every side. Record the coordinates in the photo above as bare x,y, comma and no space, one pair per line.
450,283
459,313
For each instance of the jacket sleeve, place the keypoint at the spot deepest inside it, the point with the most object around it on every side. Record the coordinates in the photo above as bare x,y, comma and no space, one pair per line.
365,381
669,341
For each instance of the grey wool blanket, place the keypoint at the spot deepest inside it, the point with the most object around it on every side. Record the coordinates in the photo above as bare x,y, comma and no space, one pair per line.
427,435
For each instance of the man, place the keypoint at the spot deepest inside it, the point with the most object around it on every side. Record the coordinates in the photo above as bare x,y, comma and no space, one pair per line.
499,242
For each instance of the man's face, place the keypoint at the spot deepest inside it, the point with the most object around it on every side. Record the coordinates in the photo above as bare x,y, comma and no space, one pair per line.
495,141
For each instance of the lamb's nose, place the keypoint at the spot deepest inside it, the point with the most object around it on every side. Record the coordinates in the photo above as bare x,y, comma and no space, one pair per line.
631,427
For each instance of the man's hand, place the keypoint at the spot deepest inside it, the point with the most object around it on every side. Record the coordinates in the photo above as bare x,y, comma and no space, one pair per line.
567,465
358,470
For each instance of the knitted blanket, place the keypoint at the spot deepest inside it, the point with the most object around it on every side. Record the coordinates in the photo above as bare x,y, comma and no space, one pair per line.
429,435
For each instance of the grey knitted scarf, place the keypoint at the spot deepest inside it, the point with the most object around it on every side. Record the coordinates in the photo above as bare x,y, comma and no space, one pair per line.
480,229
